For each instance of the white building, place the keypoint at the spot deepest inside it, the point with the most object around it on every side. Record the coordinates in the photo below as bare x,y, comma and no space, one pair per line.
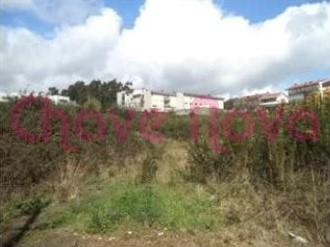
3,97
252,102
273,99
300,91
59,99
144,99
56,99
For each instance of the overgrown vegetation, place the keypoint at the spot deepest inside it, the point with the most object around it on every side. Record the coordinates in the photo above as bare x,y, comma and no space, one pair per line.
110,186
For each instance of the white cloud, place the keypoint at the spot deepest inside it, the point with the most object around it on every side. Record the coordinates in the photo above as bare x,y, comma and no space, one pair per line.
267,89
183,45
193,45
76,52
56,11
66,12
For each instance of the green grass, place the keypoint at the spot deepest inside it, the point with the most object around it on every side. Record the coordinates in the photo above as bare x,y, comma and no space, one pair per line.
130,206
22,206
18,207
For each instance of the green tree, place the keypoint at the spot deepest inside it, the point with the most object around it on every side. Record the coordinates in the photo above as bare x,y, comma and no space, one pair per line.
53,91
104,92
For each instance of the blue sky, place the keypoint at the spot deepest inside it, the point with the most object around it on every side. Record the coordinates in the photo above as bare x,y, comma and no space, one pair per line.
260,10
190,46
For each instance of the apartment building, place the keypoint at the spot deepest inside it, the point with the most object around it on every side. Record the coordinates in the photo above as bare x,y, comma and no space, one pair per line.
251,102
299,91
145,99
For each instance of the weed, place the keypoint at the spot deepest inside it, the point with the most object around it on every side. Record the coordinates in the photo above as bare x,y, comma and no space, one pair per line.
124,203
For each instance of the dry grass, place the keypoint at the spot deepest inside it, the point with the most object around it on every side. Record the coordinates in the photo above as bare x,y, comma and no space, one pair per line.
260,214
68,180
254,213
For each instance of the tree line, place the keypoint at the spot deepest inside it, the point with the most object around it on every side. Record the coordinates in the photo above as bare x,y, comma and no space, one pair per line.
101,93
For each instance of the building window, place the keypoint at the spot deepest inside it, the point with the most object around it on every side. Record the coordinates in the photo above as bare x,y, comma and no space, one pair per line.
142,101
268,100
167,101
326,84
123,99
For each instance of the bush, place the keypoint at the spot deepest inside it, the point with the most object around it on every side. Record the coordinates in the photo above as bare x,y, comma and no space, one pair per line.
93,104
205,164
176,127
270,163
23,165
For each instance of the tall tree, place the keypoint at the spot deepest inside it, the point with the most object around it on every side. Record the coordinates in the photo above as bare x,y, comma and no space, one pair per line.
104,92
53,91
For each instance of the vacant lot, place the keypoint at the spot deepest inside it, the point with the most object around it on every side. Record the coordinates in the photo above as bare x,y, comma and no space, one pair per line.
175,193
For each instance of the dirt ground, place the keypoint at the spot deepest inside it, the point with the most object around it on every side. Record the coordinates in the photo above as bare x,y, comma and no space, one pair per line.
70,239
244,235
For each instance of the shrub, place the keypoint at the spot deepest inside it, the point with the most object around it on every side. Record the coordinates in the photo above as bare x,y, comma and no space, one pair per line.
205,164
267,162
23,165
176,127
93,104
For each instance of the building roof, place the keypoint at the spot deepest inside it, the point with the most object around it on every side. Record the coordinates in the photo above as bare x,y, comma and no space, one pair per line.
272,95
187,94
253,96
307,84
203,96
162,93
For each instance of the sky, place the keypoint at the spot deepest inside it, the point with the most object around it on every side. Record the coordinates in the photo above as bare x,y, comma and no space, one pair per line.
223,47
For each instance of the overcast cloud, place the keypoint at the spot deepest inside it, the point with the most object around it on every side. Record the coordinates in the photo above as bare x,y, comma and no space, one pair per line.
189,45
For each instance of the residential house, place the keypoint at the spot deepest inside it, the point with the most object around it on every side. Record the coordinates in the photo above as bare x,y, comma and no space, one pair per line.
56,99
299,91
251,102
273,99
